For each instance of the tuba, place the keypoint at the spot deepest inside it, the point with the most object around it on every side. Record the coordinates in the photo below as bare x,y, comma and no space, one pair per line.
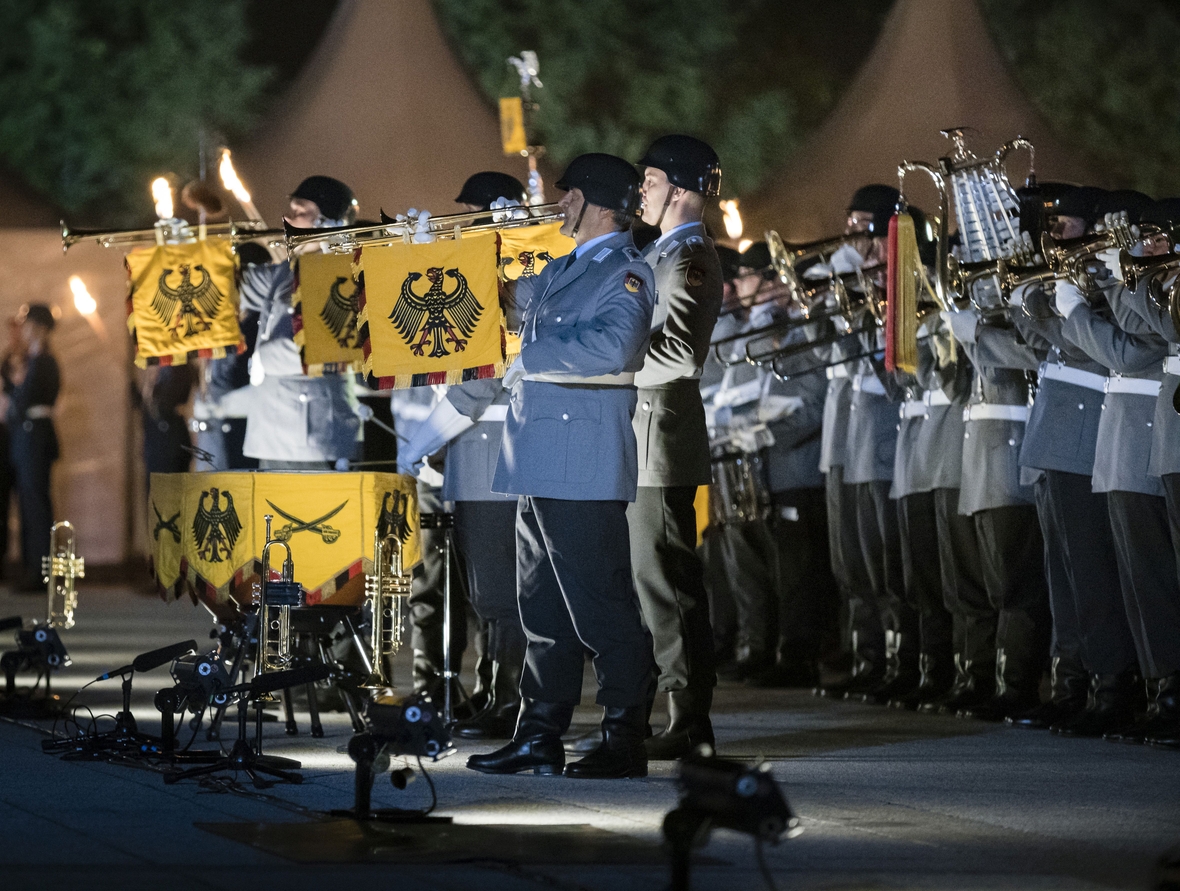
60,570
274,599
385,589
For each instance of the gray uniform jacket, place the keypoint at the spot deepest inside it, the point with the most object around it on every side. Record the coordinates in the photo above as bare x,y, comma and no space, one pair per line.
991,446
838,405
792,462
292,417
472,455
1148,303
574,440
872,425
670,434
1123,455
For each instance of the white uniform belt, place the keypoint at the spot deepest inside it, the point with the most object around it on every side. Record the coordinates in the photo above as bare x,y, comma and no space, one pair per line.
495,413
1136,385
1172,365
836,371
1055,372
868,383
984,412
39,412
624,379
920,408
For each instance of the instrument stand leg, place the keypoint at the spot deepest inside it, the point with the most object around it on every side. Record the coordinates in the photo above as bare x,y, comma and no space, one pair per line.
289,711
313,710
451,682
246,759
683,830
241,639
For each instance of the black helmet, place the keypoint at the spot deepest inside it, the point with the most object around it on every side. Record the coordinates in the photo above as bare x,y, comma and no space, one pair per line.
481,189
334,199
605,180
1164,213
1126,201
731,260
879,200
1082,203
756,256
689,163
39,314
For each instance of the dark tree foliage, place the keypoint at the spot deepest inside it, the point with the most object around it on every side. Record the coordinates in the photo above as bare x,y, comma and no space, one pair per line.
1105,74
99,96
750,76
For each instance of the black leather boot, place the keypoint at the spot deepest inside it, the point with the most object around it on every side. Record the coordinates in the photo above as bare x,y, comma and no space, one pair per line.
978,687
748,663
868,669
1069,683
1016,691
959,681
688,726
1111,706
535,746
1166,730
903,674
621,754
498,719
935,677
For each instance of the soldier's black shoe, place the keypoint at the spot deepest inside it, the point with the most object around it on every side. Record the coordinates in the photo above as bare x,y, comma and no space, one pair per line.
999,707
746,665
1166,730
622,753
536,746
1045,715
584,743
935,679
902,684
1111,706
688,727
1166,737
498,719
1069,684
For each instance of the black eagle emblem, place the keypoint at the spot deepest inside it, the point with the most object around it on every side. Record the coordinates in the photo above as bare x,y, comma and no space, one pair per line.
435,314
392,519
339,313
528,262
191,306
216,528
168,525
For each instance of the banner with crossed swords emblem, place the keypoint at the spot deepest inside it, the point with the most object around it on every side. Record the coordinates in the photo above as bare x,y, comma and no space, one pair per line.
430,313
183,302
328,519
325,314
526,250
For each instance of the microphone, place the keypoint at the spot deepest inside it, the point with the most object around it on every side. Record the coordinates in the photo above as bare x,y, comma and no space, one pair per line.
270,681
10,623
153,659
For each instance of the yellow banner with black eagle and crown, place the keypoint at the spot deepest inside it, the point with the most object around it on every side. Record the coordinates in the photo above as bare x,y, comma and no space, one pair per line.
208,530
183,301
324,319
430,313
526,250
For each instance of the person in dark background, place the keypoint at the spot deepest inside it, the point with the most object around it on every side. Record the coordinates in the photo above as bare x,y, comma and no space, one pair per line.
167,446
32,381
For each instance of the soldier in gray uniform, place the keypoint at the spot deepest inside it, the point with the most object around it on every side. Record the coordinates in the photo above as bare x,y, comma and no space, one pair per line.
680,174
569,452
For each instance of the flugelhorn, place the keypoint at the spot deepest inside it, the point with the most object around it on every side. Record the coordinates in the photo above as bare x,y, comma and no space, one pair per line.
385,589
1063,256
170,232
423,226
60,570
1136,269
274,599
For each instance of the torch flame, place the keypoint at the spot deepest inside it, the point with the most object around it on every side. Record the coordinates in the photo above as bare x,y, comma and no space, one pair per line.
229,178
733,218
162,195
83,302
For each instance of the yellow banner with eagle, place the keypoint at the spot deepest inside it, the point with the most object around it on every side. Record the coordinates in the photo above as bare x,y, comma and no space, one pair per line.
183,301
526,250
430,313
325,314
212,529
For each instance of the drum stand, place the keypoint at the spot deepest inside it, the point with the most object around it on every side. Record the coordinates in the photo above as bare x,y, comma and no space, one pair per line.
446,523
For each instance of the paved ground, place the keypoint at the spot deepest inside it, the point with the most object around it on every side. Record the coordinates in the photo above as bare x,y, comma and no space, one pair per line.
887,800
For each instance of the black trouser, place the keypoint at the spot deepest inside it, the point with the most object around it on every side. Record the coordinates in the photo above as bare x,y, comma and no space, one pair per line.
808,601
1012,555
1080,546
485,534
880,543
576,593
922,570
426,598
167,444
233,438
965,597
669,581
861,622
1147,569
739,565
34,449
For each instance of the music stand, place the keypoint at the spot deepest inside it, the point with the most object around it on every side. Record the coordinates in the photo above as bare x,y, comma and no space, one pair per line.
446,523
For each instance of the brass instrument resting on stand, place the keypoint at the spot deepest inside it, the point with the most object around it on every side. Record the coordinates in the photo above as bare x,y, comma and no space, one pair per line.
274,600
170,231
385,589
60,570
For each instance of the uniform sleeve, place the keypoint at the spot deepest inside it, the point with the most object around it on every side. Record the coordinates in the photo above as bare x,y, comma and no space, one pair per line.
1106,343
259,284
608,342
999,348
692,291
472,398
806,420
1147,302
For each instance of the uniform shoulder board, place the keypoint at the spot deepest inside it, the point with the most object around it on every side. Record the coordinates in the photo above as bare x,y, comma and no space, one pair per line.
602,255
632,254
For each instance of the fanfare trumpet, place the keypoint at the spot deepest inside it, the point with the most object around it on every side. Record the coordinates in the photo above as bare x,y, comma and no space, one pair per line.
170,232
1136,269
422,227
60,570
1066,257
385,589
274,599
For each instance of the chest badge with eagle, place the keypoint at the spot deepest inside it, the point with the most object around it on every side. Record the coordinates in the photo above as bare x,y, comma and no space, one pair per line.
339,313
187,305
437,316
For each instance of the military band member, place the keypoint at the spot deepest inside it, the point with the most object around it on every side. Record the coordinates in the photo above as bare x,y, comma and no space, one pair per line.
680,173
569,452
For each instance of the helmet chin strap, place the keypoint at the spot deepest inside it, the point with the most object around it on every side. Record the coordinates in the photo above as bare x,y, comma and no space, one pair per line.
578,222
667,202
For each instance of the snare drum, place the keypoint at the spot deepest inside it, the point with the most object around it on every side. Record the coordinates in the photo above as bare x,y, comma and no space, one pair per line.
738,493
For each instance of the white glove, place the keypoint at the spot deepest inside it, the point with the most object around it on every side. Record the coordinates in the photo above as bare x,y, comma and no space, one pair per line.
257,373
1110,259
963,324
430,476
443,425
1068,298
1016,298
846,259
515,373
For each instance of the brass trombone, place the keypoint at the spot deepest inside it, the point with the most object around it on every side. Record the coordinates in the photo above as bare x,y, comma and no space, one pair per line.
170,231
386,589
424,227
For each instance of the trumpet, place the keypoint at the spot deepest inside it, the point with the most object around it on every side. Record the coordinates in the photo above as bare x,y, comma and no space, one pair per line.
60,570
424,227
170,232
1065,256
1136,269
274,600
385,589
